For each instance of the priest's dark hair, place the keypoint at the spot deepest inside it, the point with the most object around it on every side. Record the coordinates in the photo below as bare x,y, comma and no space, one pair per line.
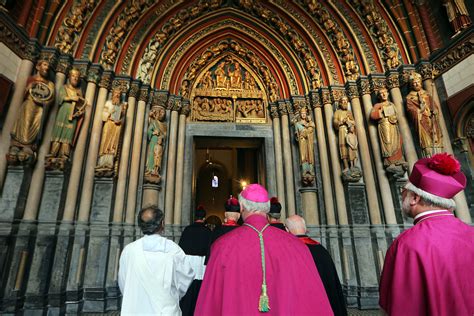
150,219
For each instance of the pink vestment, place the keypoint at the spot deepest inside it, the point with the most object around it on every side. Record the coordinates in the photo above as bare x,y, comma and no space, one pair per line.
429,268
233,279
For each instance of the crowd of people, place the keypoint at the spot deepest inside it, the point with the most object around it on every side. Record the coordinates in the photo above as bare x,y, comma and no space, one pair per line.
253,263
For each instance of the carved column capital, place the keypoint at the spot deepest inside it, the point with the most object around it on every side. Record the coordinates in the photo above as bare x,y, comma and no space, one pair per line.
144,93
176,104
122,84
364,86
94,74
273,107
106,80
376,83
315,100
186,107
134,89
83,67
352,91
426,71
64,64
393,80
32,51
283,108
159,99
52,57
325,96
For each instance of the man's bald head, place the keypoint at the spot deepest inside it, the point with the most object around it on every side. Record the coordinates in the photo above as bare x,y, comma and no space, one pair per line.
296,225
150,220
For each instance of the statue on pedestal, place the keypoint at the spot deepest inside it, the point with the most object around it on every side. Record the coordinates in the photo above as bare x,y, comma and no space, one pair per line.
458,15
424,113
385,114
113,117
68,122
31,119
156,135
304,134
344,123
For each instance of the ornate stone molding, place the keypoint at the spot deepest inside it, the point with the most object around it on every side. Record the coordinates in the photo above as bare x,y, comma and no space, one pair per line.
134,89
144,94
94,74
315,100
364,86
426,71
393,80
16,39
282,108
337,93
455,54
273,107
325,96
376,83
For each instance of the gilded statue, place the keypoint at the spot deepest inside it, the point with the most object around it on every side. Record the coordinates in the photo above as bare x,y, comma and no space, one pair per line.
304,134
385,114
236,76
113,117
68,121
424,113
343,121
458,15
27,129
156,135
221,76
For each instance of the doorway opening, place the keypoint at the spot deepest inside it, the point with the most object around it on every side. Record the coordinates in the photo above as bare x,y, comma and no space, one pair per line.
222,167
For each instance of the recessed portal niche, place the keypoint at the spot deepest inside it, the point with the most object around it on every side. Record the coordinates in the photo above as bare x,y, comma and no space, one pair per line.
221,167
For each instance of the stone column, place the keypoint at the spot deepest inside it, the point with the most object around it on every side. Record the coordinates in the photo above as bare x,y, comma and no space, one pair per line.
278,158
323,159
288,161
364,153
333,151
171,166
37,180
386,196
180,162
393,84
80,148
310,205
94,143
25,69
120,195
136,154
462,209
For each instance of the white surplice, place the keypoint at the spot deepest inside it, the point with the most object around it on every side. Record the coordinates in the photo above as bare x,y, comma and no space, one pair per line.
153,276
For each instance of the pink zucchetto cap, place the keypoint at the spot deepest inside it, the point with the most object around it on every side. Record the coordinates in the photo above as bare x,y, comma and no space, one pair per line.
437,179
255,193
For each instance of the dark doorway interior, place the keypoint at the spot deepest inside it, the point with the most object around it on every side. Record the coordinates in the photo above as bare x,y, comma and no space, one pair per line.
222,166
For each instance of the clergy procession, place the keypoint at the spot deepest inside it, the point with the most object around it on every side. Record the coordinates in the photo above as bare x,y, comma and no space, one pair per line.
261,265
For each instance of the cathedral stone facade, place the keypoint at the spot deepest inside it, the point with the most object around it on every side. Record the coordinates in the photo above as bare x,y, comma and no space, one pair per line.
110,106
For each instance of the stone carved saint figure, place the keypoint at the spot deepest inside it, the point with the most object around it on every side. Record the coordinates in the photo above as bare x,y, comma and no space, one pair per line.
26,132
221,76
424,113
304,134
236,76
113,117
71,109
458,15
156,135
385,114
344,123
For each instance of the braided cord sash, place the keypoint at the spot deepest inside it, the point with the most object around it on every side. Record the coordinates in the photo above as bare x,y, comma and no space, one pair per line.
263,303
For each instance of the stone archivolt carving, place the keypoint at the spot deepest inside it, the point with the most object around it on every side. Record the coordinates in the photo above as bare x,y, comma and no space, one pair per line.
113,117
379,30
156,136
26,132
73,25
228,92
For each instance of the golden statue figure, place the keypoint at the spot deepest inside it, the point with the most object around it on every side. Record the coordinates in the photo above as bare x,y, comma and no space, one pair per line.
68,121
458,15
343,121
385,114
304,134
221,76
26,132
236,77
113,117
424,113
156,135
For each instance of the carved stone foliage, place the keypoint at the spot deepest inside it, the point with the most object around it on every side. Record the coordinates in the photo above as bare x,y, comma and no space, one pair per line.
227,91
379,31
73,24
336,36
173,25
16,41
119,31
292,37
454,55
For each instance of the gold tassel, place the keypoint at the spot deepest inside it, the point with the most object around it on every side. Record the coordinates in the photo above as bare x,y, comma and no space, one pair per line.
263,303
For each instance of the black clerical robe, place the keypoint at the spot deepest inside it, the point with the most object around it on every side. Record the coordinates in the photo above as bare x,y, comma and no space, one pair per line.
327,272
279,225
218,232
195,240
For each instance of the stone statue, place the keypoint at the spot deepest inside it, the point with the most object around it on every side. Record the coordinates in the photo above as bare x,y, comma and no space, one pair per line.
343,121
304,134
26,132
385,114
424,113
236,77
458,15
68,121
156,135
113,117
221,76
